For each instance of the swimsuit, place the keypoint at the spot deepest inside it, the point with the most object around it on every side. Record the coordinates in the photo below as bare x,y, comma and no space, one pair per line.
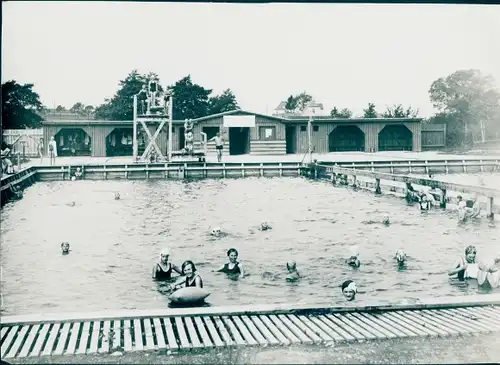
163,275
234,270
193,282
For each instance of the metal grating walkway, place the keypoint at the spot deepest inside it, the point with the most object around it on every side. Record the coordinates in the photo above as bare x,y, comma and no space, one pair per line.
209,331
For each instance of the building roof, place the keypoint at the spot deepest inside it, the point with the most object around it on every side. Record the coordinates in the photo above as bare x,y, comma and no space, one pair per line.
281,106
238,112
286,119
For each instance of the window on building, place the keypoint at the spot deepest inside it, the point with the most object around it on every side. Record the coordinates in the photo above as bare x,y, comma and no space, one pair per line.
315,128
303,128
267,133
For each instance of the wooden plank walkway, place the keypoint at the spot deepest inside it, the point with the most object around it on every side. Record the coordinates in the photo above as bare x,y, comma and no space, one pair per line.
215,327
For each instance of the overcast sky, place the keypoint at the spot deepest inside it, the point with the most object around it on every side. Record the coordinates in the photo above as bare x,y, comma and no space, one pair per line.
343,55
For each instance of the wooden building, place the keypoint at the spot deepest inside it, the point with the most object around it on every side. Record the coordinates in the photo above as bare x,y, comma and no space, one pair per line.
364,135
97,138
270,135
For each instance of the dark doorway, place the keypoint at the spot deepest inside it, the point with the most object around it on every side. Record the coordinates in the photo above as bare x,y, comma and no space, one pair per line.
119,142
346,138
182,138
291,139
210,131
73,142
395,138
239,140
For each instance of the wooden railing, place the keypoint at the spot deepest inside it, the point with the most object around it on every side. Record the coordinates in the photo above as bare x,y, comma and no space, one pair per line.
332,172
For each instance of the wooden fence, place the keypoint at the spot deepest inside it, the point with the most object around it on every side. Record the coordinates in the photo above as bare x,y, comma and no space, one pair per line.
27,144
433,136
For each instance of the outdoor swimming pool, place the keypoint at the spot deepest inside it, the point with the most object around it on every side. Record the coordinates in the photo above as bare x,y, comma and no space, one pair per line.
115,243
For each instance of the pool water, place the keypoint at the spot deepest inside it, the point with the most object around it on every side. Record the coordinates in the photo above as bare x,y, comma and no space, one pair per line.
115,243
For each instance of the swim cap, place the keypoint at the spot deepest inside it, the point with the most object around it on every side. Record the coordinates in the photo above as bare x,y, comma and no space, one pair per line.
165,252
350,285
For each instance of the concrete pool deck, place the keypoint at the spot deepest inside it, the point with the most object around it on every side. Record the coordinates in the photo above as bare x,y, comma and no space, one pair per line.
328,157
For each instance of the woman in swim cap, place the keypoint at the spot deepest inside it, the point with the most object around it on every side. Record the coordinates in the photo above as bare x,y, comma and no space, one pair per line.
233,267
349,290
163,268
466,267
191,277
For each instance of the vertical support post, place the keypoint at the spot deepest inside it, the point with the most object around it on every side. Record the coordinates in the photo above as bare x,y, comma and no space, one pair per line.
134,138
489,208
443,199
309,138
170,119
378,190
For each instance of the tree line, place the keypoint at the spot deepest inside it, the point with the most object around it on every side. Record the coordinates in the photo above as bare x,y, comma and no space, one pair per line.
467,101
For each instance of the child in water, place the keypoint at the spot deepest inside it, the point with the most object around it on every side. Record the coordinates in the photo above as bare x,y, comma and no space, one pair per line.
349,290
293,274
65,248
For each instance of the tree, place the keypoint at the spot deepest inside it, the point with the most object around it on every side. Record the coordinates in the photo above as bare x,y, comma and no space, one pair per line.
20,106
291,104
120,106
78,108
60,108
344,113
296,104
370,112
473,102
224,102
190,100
398,111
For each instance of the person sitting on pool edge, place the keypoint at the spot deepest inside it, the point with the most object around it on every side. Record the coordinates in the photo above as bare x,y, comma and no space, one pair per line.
191,278
163,268
233,267
349,290
117,196
293,274
65,248
466,267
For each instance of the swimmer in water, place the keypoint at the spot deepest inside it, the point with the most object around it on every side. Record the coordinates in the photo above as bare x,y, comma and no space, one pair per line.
353,260
293,274
264,226
349,290
191,277
386,221
400,257
233,267
466,267
216,231
117,196
78,174
65,248
489,272
163,268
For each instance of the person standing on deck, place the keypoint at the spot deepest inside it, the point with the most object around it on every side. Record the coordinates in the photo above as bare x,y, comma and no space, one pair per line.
219,145
52,151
